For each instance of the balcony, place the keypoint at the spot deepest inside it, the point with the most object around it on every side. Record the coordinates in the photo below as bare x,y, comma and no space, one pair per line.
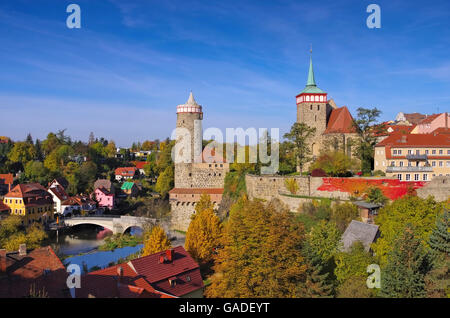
409,169
417,157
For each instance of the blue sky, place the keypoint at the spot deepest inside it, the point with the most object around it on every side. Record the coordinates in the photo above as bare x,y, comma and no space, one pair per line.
124,72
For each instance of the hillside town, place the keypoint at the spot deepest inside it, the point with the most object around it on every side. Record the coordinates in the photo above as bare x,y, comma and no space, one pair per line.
350,192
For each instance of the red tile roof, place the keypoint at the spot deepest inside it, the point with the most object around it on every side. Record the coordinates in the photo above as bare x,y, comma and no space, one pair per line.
105,283
416,140
340,121
31,193
140,164
7,178
196,191
3,207
59,192
126,171
428,119
183,267
40,267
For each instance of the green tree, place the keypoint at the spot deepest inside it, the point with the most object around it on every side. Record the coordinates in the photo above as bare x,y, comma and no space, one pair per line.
22,152
404,274
392,219
50,144
352,264
325,238
111,149
367,131
438,279
35,171
298,136
12,234
318,283
354,288
375,195
165,181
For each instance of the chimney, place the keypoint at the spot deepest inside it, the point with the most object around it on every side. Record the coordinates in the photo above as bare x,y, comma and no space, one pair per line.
2,261
446,119
169,254
22,250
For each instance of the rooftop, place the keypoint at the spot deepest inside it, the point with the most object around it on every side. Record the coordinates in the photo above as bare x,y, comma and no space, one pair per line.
359,231
341,121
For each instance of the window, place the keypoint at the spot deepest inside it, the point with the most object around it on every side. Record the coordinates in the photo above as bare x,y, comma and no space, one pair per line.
416,177
433,152
448,163
425,177
401,163
441,163
310,107
441,152
427,152
399,176
417,152
448,152
399,152
395,152
409,152
408,177
433,163
318,107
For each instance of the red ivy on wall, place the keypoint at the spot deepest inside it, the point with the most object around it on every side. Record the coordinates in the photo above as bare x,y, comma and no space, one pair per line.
391,188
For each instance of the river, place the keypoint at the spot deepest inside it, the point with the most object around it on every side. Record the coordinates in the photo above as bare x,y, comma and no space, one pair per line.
85,240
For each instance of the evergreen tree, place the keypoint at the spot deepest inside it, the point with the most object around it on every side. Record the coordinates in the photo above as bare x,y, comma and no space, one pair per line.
440,237
318,282
438,279
38,148
29,139
407,265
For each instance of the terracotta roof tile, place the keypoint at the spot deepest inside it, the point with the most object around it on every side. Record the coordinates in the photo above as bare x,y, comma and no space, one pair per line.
7,178
196,191
416,140
340,121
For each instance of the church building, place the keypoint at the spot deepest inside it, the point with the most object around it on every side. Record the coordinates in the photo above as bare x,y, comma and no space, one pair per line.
334,125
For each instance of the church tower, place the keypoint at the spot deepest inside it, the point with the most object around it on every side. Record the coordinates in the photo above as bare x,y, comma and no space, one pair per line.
313,108
189,134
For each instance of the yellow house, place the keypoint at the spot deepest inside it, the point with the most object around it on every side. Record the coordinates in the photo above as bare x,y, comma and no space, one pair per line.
414,157
30,201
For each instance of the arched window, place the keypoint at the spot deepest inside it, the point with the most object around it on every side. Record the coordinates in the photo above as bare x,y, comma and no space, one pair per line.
307,98
317,98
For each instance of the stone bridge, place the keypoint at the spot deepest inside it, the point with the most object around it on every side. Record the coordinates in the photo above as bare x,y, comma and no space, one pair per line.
115,224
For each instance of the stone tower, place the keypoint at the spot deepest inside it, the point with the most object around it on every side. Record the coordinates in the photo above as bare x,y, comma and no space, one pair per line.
189,139
313,109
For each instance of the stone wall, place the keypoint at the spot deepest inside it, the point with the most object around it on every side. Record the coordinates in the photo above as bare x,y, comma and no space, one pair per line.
181,213
439,187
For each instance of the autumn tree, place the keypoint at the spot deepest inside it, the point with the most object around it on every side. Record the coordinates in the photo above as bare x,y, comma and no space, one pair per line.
35,171
325,238
375,195
111,149
260,254
12,234
298,137
156,241
335,164
204,231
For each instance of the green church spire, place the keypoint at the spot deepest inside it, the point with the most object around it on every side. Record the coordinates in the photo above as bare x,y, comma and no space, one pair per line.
311,86
311,81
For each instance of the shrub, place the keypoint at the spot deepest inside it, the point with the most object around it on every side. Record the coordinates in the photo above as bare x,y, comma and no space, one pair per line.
379,173
318,173
291,185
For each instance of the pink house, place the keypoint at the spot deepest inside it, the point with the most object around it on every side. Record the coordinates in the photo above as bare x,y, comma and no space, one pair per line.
104,198
431,123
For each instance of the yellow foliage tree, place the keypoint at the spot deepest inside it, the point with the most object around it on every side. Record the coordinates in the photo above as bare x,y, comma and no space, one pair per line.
291,185
156,242
204,231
